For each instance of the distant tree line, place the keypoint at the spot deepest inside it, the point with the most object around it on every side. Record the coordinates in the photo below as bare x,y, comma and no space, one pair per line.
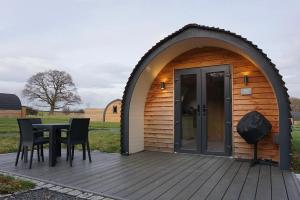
30,111
295,104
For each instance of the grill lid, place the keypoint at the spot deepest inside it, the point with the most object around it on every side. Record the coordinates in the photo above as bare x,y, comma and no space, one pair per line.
253,127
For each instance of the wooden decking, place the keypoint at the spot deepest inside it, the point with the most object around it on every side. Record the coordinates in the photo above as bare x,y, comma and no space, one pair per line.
153,175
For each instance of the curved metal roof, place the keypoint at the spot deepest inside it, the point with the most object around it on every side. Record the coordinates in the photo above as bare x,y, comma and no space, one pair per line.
9,102
271,72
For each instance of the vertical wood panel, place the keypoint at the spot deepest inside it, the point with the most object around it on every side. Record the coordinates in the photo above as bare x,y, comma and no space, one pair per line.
110,116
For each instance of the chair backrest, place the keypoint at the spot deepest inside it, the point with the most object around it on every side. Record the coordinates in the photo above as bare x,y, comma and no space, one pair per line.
79,129
35,120
26,131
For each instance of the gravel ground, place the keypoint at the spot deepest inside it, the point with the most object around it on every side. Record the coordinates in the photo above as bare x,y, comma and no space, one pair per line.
41,194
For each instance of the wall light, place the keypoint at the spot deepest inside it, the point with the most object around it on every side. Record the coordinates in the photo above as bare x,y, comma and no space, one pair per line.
246,79
162,85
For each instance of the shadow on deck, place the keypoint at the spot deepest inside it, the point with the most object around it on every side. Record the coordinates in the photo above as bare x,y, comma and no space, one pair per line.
154,175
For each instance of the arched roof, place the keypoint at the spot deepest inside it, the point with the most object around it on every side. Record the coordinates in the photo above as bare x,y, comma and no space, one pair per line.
227,40
113,101
9,102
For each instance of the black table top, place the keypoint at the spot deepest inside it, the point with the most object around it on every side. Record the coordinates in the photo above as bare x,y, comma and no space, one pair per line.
56,125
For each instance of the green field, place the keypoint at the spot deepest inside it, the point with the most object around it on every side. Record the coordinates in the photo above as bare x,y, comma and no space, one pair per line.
103,136
296,148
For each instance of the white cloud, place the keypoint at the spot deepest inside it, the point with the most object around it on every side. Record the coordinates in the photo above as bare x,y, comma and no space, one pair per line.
99,42
21,68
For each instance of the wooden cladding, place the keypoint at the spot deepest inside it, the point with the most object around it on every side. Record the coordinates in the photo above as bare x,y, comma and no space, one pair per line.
159,106
112,112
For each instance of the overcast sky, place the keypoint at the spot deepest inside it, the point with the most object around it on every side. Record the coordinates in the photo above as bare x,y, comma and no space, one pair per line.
99,42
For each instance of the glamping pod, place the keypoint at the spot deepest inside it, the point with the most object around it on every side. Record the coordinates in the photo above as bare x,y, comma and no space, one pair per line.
10,105
189,91
112,111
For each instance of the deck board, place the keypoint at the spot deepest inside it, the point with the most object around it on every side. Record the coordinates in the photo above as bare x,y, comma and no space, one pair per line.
139,180
220,189
234,190
162,176
135,175
172,192
278,187
249,188
174,180
210,184
197,183
161,180
264,191
127,190
293,191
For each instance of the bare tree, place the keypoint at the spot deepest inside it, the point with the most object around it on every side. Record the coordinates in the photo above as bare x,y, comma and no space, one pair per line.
295,104
53,88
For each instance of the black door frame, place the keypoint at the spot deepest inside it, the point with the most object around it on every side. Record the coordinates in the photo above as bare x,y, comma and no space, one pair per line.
201,119
177,112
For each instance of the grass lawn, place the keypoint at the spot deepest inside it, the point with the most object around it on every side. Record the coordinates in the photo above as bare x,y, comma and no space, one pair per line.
103,136
296,148
10,185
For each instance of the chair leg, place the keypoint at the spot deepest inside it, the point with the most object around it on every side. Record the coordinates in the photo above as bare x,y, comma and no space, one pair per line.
67,152
89,151
83,151
26,154
42,152
38,153
22,155
18,154
72,157
31,156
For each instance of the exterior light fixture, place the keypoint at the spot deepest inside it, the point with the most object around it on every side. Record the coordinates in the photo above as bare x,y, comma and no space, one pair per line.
246,79
162,85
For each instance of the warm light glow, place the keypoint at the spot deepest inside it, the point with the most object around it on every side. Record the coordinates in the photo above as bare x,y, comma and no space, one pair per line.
245,73
162,85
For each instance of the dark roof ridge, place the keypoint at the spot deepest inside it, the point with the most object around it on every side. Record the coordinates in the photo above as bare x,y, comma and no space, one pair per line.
9,102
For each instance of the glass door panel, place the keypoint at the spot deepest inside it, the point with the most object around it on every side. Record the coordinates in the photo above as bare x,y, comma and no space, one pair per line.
188,98
215,122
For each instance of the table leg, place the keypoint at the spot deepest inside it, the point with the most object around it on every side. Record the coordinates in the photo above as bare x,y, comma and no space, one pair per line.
52,147
58,144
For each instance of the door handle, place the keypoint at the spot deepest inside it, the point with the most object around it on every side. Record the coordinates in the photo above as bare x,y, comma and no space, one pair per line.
204,110
198,109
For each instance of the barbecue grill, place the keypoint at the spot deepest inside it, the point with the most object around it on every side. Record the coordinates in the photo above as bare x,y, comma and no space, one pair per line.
253,127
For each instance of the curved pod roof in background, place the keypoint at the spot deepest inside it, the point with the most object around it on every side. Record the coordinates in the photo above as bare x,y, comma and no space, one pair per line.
105,109
9,102
193,35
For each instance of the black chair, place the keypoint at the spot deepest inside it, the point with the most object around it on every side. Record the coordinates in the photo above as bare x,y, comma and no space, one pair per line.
39,133
29,138
77,134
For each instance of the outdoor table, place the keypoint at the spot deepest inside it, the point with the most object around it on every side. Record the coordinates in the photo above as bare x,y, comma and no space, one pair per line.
54,143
